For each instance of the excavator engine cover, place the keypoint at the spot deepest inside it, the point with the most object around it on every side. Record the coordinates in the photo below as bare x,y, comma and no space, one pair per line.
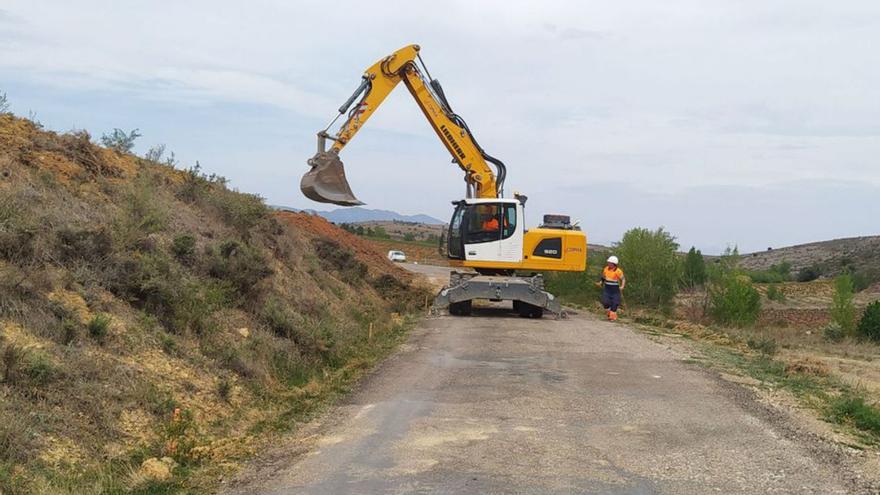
326,181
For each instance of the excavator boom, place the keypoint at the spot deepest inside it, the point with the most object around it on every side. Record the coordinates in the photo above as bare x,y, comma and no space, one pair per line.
487,232
326,181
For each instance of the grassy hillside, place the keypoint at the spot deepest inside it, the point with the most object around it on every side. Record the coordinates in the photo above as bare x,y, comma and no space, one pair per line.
827,258
158,327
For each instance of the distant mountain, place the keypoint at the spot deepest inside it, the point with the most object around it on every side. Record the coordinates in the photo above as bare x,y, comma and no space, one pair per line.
358,214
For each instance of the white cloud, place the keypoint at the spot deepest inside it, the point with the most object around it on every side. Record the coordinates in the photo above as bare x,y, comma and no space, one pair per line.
656,96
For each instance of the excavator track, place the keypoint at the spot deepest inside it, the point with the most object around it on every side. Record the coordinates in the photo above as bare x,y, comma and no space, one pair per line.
527,293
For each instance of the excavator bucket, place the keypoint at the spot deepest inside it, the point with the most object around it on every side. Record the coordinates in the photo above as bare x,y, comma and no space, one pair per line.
326,181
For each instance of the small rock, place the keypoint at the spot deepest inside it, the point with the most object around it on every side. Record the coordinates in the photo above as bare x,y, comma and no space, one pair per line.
244,332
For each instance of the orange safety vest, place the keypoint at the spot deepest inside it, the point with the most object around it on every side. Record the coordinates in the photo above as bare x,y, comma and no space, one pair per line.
612,277
491,224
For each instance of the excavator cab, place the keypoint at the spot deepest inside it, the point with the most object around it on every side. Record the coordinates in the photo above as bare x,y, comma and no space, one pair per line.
485,230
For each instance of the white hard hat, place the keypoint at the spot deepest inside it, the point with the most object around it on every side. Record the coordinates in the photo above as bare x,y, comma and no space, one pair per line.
613,259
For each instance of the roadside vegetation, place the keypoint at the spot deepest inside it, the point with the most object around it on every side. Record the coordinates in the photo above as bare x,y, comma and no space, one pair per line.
157,326
378,232
735,316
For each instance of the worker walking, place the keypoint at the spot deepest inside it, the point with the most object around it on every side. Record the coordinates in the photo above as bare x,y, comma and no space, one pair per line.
612,283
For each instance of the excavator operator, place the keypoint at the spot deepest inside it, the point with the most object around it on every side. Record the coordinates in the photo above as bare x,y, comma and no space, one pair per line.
489,215
490,224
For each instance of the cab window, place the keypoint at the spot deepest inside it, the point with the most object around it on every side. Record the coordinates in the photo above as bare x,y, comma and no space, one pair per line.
483,223
489,222
509,223
454,246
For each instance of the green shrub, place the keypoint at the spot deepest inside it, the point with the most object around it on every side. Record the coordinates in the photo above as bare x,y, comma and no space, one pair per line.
168,343
224,389
197,302
576,287
18,442
69,331
809,273
780,272
26,368
184,247
783,268
143,213
833,333
98,326
154,283
869,325
240,210
401,297
774,293
341,259
147,280
573,287
89,245
279,319
863,279
240,264
18,229
853,410
843,312
651,264
12,357
734,301
764,345
197,185
694,270
120,141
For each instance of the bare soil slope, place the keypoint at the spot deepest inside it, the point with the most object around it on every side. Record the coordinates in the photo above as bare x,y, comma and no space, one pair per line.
157,326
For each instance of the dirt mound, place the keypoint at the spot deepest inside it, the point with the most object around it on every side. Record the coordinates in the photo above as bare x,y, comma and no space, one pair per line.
364,250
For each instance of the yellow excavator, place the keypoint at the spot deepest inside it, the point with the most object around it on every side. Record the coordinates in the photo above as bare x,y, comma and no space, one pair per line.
486,232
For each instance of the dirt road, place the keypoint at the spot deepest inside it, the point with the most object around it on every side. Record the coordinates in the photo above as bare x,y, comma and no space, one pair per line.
499,404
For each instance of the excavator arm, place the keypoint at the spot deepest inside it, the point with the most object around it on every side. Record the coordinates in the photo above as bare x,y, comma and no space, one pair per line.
326,181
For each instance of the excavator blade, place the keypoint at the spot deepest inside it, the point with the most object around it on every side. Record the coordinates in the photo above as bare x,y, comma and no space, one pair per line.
326,181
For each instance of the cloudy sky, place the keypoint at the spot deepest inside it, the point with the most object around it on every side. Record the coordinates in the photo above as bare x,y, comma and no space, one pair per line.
754,123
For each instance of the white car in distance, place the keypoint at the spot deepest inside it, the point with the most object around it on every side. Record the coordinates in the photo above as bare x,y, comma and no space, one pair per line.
396,256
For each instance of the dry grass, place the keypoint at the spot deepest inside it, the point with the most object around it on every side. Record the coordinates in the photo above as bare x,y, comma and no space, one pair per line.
134,324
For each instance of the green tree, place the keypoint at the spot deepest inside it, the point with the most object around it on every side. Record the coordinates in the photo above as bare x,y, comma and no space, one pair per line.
120,141
783,269
869,325
843,312
652,266
409,236
733,300
694,268
809,273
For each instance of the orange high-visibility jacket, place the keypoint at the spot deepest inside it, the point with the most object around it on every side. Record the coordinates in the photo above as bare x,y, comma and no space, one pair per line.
612,277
